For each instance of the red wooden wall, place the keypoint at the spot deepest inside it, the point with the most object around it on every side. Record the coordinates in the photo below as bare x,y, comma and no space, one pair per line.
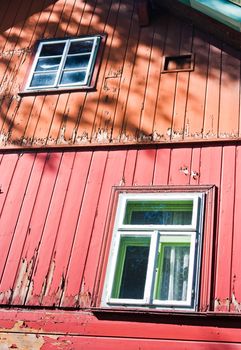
54,208
133,101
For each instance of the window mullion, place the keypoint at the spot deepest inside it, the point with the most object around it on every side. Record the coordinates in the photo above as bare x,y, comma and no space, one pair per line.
151,267
62,63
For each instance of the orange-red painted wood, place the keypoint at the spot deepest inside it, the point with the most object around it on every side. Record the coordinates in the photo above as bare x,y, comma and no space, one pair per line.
133,100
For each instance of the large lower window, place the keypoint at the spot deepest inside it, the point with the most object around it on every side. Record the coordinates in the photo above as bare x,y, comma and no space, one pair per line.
156,251
64,64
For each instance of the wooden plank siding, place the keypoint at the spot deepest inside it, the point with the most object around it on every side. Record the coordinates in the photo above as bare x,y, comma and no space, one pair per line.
55,207
133,100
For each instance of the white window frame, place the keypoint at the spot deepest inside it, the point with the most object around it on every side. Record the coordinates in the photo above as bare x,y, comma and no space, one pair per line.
158,233
56,85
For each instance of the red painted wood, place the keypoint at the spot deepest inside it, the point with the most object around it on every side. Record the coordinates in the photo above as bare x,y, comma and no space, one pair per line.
35,227
180,166
235,281
224,250
162,164
229,95
144,167
21,230
74,277
182,84
45,263
113,175
13,205
128,176
7,167
166,94
212,108
67,228
197,88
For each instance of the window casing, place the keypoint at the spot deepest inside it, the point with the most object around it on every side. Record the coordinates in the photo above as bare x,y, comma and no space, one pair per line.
155,253
64,64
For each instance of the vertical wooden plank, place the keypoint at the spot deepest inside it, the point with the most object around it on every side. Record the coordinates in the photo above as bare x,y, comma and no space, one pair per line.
167,89
225,231
67,227
195,166
7,169
180,102
236,273
114,69
13,205
130,167
21,230
229,94
112,177
212,103
131,47
103,21
83,232
45,263
144,167
35,228
210,174
8,21
180,166
138,83
197,88
162,166
54,29
146,131
28,120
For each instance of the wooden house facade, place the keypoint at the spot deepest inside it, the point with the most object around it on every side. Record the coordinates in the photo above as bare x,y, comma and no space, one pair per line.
151,119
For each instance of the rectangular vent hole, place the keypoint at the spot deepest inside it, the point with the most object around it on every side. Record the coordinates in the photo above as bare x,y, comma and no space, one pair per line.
178,63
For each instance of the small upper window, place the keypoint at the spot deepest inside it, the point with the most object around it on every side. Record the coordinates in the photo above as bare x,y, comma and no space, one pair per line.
156,251
64,64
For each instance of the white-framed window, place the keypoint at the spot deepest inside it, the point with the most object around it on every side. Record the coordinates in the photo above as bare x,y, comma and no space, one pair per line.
155,253
63,64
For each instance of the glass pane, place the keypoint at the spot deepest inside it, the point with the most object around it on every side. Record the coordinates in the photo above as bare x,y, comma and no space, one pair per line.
130,274
163,212
45,64
173,268
43,79
75,62
81,46
73,77
52,49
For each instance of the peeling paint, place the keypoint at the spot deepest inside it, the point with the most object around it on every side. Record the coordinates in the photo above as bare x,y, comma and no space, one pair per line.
236,304
23,280
222,304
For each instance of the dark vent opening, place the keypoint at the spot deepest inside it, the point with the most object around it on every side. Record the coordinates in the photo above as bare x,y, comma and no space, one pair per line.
178,63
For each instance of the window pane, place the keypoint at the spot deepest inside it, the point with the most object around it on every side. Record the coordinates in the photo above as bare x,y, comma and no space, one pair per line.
43,79
172,212
52,49
173,268
73,77
75,62
131,268
81,46
45,64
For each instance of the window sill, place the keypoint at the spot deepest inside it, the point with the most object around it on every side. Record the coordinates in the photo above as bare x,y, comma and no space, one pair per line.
56,91
208,318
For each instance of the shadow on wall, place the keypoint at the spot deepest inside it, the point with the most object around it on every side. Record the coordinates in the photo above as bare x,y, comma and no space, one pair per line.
133,101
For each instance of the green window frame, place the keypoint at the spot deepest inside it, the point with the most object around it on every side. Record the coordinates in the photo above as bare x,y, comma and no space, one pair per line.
155,254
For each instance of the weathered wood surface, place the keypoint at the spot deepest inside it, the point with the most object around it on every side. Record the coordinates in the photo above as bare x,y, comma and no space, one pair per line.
68,330
133,100
54,209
